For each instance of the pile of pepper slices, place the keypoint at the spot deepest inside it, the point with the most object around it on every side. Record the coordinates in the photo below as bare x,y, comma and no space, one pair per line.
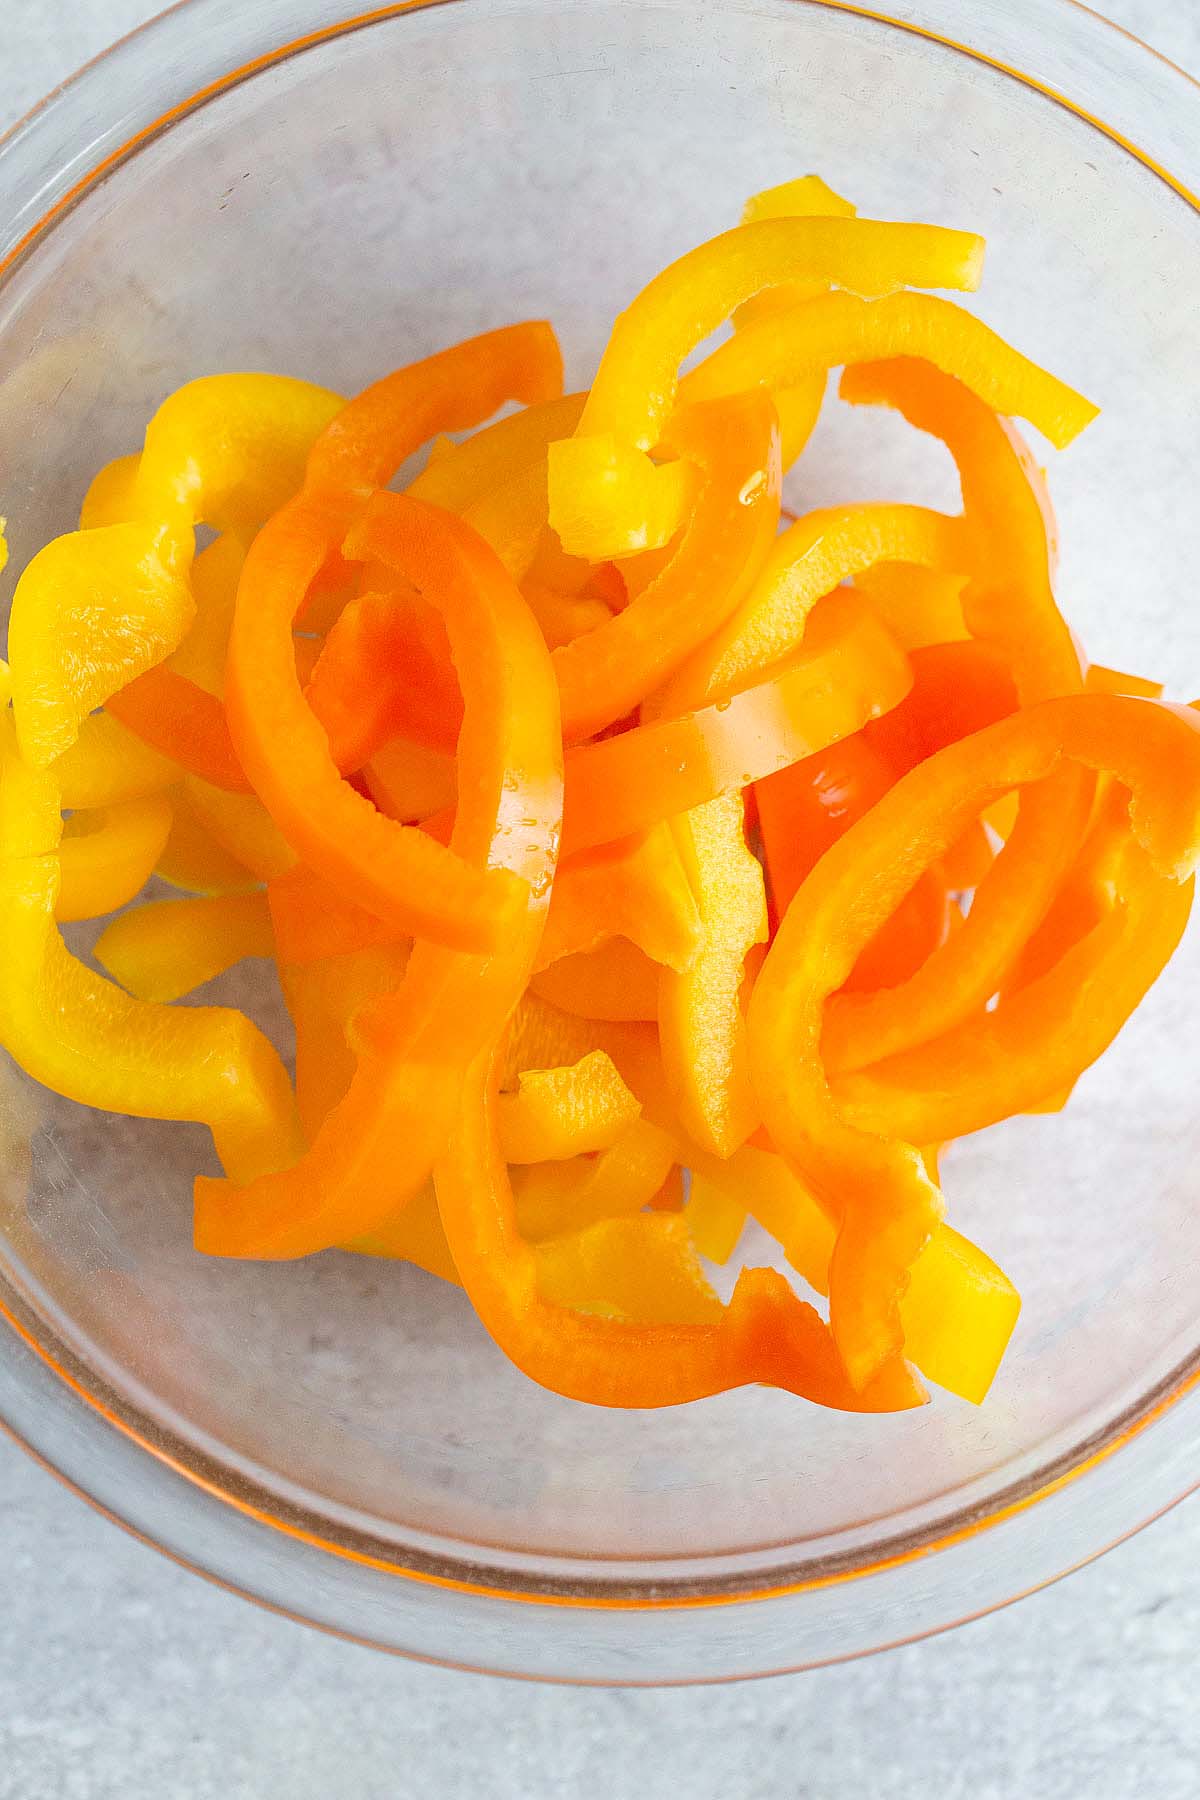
600,828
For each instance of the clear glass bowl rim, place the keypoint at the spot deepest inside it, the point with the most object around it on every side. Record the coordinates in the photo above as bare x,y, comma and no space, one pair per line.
192,1511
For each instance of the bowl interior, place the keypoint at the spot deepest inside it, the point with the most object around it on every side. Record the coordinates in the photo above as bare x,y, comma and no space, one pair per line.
364,203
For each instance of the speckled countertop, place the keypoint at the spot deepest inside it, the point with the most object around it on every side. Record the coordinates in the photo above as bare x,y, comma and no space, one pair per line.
120,1675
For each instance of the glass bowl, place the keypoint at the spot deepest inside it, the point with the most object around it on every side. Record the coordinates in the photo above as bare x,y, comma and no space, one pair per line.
302,187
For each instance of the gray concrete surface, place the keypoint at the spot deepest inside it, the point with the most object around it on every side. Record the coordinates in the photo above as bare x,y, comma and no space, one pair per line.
122,1676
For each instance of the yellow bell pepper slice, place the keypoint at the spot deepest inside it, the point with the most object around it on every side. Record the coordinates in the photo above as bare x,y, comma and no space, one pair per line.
633,394
108,856
839,330
107,764
641,1268
959,1310
807,561
79,1034
193,860
109,499
168,948
241,825
554,1198
701,1025
91,611
558,1113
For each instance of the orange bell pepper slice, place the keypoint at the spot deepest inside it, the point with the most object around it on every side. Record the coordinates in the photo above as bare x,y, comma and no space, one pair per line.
842,329
847,671
635,888
876,1187
375,1148
411,881
182,721
323,998
615,982
167,948
409,781
1009,605
920,606
565,1112
765,1334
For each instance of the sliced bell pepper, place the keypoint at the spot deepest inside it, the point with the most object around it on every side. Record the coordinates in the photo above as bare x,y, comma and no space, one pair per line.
568,1111
542,1036
919,606
409,781
375,1148
75,1032
1009,605
167,948
847,670
107,764
1098,679
633,394
616,982
470,471
183,722
109,499
91,611
841,329
228,450
700,1020
1036,1042
765,1334
641,1269
806,561
400,873
323,998
241,824
635,888
875,1186
215,576
563,617
959,1311
553,1198
107,856
193,860
602,675
312,921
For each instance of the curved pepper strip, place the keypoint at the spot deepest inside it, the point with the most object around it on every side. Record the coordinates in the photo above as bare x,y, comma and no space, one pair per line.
960,1308
633,394
765,1333
107,764
91,611
616,982
553,1198
603,675
107,856
839,330
806,563
78,1034
109,499
469,471
804,809
1039,1039
410,781
635,888
412,882
183,722
241,825
702,1029
323,999
847,671
1009,605
878,1187
919,606
564,1112
193,860
167,948
375,1148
